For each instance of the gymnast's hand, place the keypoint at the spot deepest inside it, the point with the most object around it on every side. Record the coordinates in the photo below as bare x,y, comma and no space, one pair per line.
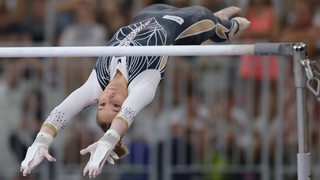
37,152
100,152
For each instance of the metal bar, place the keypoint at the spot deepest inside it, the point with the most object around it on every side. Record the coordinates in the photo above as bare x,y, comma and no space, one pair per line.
273,49
303,156
95,51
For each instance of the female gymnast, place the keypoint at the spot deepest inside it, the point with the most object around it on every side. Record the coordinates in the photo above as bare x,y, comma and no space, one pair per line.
122,86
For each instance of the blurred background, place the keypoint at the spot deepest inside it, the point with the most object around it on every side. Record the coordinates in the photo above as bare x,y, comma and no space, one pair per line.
213,118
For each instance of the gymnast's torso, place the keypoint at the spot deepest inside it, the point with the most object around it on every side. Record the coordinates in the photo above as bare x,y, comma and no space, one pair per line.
157,25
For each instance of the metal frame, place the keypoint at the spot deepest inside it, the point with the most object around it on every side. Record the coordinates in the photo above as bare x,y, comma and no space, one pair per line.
299,53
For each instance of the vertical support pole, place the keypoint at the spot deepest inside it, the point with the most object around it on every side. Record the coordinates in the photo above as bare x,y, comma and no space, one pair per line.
303,156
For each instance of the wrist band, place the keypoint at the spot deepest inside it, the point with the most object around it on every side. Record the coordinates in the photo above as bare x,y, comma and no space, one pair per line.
51,127
123,120
44,138
111,136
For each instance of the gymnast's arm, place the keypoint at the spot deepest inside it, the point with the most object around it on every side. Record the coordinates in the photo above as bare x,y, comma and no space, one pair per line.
73,104
141,92
57,120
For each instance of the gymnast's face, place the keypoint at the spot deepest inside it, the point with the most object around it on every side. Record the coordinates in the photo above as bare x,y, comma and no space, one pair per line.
110,103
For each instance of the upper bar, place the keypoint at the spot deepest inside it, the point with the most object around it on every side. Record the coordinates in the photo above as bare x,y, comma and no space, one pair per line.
96,51
273,49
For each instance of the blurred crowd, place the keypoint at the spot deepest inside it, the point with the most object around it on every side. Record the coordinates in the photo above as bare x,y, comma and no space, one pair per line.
218,112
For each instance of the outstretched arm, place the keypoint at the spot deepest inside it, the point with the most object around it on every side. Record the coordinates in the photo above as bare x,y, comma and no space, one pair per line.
57,120
73,104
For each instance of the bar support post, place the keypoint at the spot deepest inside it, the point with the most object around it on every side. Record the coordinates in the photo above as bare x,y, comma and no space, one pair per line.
303,156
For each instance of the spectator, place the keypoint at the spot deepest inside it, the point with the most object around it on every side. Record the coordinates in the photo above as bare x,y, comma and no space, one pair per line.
214,5
31,113
10,30
84,31
35,21
179,3
264,28
138,5
112,16
80,134
316,18
254,71
299,26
